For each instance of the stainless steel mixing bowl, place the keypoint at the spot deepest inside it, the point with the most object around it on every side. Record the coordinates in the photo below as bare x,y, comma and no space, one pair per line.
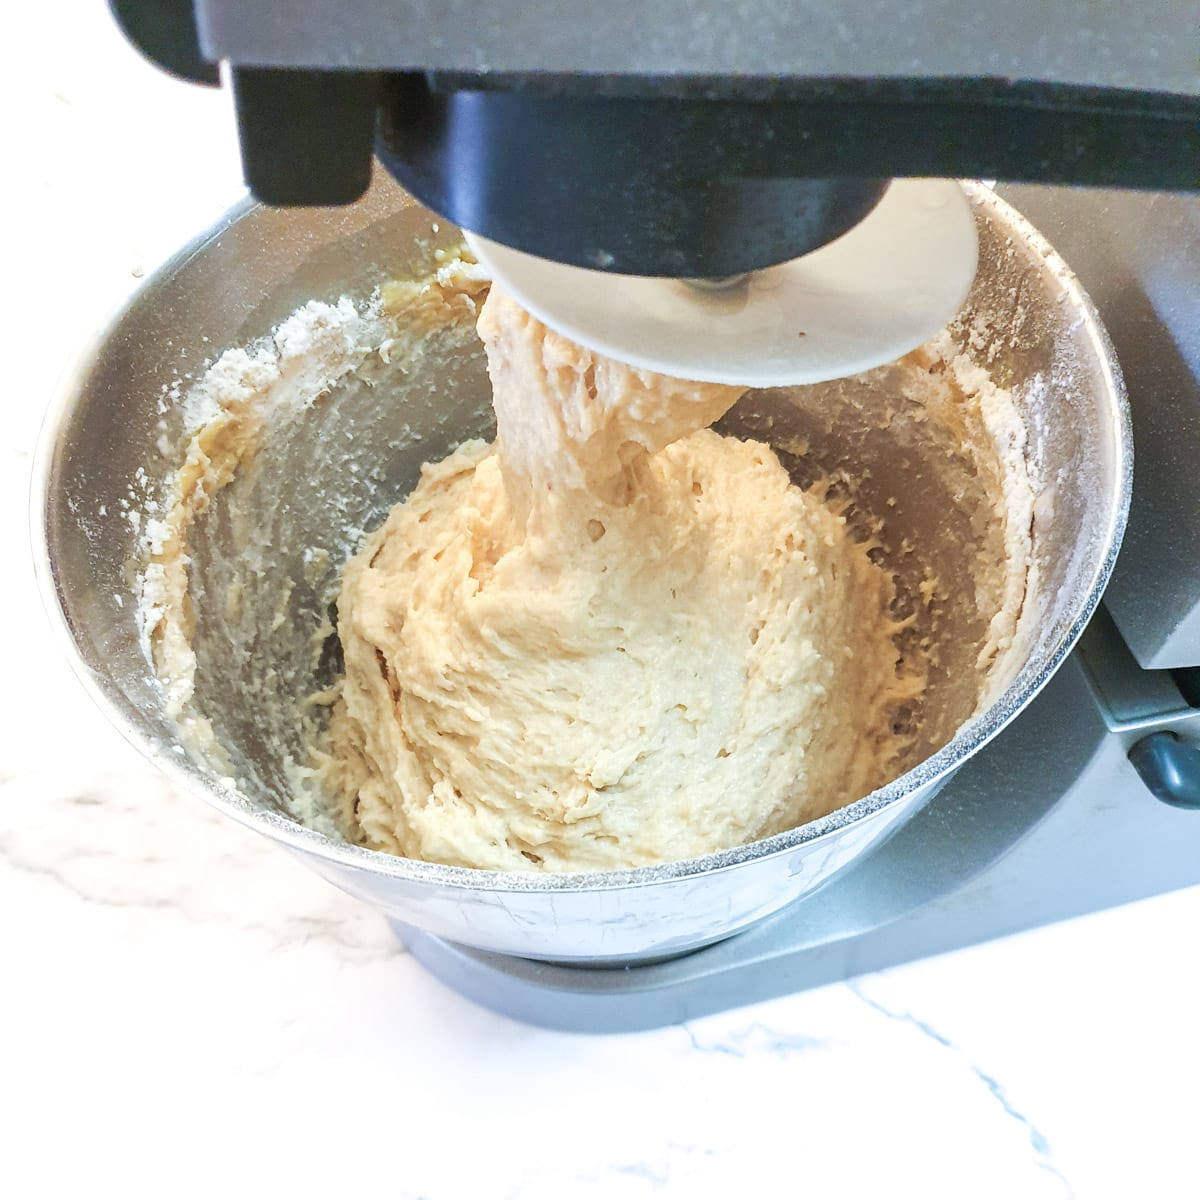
113,434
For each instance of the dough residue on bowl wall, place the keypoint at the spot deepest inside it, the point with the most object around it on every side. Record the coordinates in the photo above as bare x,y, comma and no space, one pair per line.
615,637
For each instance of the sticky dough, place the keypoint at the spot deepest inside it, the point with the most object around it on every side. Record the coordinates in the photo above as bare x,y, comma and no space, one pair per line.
613,638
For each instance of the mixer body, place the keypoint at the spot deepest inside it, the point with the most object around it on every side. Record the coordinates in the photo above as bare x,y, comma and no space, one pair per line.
688,137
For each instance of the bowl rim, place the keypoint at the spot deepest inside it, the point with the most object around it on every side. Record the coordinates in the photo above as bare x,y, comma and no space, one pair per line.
972,736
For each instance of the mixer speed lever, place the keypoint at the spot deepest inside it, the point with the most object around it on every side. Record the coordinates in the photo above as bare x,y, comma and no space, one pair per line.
1169,767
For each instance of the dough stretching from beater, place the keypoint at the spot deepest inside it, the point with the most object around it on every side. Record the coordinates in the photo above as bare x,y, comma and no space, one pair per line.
615,638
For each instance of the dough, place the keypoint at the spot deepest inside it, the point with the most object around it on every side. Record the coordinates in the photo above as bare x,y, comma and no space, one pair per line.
614,638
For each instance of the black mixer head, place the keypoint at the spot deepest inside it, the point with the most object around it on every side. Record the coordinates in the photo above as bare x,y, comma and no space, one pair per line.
686,173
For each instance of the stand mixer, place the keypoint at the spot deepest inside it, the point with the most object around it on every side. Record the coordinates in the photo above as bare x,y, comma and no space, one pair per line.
593,152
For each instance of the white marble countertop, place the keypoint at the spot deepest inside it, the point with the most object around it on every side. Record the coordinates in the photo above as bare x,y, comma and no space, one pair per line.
187,1010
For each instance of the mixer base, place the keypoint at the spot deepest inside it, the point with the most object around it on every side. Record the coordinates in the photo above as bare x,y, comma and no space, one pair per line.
1048,822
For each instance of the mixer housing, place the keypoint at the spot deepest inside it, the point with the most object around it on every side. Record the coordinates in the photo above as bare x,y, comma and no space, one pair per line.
688,138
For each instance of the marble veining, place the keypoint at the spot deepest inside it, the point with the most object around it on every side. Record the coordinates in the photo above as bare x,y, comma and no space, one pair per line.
754,1038
1038,1142
102,846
